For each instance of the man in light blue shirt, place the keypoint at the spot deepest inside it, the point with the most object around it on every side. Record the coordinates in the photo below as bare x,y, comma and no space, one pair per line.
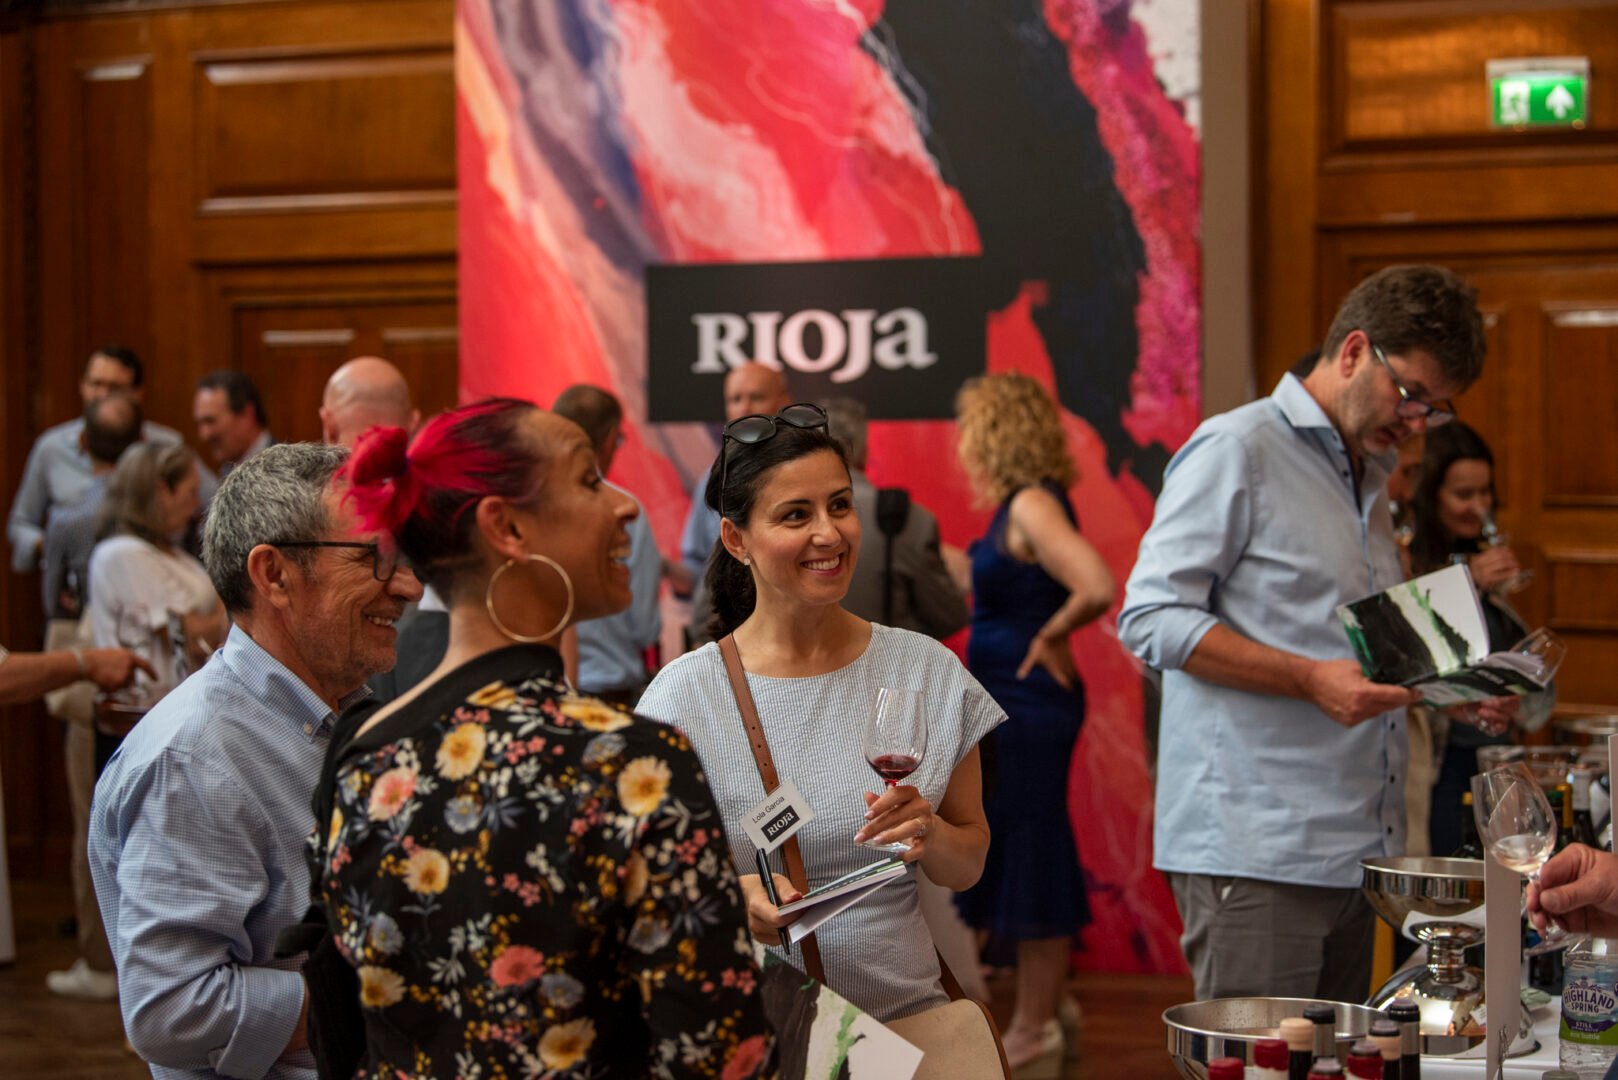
1281,766
199,823
59,470
612,650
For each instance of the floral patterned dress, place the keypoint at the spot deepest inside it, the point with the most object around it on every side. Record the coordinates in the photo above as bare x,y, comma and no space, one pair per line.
535,884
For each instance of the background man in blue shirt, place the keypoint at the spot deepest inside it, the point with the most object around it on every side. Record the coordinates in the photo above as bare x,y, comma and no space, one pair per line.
611,662
1281,765
199,822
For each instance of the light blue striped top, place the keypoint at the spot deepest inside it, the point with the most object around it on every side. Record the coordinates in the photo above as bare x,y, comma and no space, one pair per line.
197,851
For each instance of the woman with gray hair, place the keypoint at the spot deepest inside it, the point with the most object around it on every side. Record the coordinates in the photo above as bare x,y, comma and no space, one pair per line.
147,594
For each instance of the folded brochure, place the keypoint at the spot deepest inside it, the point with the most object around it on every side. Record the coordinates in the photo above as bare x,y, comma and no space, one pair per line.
821,903
1429,634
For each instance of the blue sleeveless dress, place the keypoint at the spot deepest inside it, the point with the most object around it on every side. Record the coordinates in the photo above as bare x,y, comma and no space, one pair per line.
1032,885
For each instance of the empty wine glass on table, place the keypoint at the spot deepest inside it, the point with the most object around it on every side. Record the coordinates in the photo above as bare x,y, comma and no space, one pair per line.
1517,827
895,739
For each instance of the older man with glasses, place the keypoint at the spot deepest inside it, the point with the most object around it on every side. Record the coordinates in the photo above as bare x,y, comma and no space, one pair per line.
199,822
1281,766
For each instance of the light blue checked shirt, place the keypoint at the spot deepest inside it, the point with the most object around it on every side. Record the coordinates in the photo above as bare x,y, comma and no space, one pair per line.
58,473
1260,527
610,648
197,840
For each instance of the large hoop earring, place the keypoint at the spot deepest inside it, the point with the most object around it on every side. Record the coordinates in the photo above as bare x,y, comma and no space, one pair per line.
567,615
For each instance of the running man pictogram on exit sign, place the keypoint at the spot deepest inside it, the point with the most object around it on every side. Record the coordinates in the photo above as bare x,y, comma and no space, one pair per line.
1539,92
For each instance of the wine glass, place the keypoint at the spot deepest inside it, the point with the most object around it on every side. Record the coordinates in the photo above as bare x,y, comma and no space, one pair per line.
1493,537
895,739
1517,826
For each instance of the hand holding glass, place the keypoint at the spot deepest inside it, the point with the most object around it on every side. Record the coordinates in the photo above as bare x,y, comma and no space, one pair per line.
895,738
1517,827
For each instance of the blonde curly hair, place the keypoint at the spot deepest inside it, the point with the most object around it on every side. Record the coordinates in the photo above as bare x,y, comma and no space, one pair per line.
1010,436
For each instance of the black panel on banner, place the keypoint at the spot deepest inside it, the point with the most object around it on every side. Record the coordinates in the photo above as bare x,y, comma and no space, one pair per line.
900,335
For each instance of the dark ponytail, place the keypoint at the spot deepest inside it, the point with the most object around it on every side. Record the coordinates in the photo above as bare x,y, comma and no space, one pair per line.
729,583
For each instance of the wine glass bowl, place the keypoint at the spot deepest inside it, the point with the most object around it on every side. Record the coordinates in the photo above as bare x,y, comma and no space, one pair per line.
895,734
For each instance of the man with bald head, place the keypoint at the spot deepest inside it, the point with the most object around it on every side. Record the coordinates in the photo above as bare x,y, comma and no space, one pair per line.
750,389
364,393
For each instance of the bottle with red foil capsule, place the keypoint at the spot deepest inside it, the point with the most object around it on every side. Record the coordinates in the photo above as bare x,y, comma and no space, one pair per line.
1385,1033
1299,1035
1326,1068
1269,1060
1227,1068
1365,1060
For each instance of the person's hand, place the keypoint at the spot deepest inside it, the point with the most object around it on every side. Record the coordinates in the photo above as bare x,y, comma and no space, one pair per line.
763,918
1579,887
1492,717
898,815
958,564
114,669
1493,567
68,601
1340,690
1052,654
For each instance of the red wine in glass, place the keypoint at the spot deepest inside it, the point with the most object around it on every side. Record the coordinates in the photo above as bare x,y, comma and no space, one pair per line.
893,768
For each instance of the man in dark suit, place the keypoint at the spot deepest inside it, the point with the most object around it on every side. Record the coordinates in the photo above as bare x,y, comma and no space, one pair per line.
923,596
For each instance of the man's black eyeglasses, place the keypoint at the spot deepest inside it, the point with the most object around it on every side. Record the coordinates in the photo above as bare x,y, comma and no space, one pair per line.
752,430
384,561
1410,406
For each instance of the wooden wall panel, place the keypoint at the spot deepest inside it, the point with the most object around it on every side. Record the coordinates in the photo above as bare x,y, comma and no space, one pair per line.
1413,73
257,148
210,179
1581,400
1583,588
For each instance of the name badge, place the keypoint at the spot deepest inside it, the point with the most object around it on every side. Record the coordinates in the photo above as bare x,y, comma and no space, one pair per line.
778,818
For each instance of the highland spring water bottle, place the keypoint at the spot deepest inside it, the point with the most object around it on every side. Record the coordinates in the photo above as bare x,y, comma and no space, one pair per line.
1590,1008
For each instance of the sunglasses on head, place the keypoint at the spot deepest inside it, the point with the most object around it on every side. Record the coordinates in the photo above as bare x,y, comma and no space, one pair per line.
752,430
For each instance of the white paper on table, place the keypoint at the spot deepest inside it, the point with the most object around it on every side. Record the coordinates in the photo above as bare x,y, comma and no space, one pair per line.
818,914
1502,960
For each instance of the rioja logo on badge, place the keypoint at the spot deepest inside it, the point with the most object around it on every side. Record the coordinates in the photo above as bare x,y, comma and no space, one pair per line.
778,818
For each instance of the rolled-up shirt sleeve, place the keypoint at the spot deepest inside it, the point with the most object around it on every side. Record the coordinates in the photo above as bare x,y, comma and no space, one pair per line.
1198,534
188,877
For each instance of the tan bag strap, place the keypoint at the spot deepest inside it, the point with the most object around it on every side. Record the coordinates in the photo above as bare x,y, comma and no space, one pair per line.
790,851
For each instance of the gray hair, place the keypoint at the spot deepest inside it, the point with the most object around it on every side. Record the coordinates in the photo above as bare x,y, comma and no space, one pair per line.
274,497
846,420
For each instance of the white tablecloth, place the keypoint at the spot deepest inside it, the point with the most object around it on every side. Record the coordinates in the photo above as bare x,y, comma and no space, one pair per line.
1547,1021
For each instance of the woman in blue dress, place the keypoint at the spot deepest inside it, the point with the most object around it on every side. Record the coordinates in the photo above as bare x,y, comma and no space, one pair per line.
1035,581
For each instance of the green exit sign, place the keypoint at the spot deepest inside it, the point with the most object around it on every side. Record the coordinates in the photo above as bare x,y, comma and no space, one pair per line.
1539,92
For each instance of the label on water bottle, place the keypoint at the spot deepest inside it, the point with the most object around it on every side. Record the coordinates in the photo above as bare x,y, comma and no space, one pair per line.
1590,1007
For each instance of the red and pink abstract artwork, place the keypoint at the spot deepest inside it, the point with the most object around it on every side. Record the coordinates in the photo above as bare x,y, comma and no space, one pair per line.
1056,140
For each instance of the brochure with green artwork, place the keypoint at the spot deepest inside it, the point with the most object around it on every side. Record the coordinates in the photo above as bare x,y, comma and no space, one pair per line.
1429,634
821,1036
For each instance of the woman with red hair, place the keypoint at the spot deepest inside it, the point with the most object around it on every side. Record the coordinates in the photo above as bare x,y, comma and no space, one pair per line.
527,881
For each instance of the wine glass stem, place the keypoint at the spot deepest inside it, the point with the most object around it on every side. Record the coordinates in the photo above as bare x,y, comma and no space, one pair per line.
1553,929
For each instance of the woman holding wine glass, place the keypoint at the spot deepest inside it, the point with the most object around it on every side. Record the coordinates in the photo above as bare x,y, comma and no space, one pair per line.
838,700
1453,512
1035,581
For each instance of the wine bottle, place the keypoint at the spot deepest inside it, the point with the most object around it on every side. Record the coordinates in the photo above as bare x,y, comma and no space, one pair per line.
1299,1035
1326,1068
1584,826
1270,1059
1408,1016
1471,847
1227,1068
1324,1017
1365,1060
1385,1033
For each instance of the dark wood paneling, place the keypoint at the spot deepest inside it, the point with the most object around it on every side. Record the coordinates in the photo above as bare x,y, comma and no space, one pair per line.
1581,400
199,167
1412,74
1584,589
257,148
290,352
111,189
